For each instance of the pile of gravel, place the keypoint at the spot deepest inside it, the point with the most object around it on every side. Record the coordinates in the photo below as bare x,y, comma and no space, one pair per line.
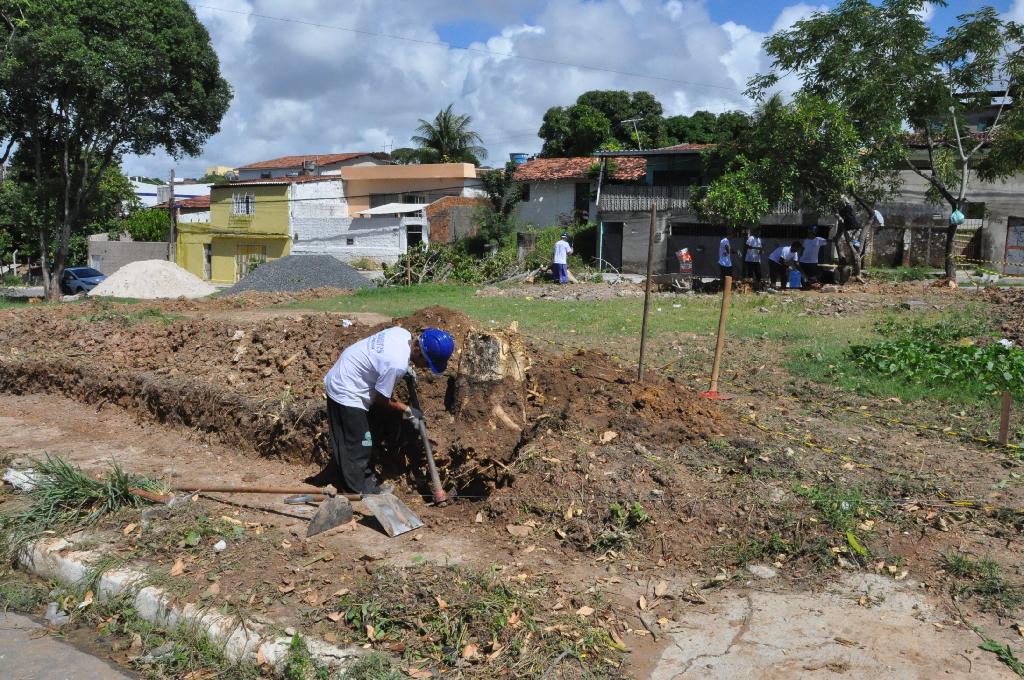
151,279
300,272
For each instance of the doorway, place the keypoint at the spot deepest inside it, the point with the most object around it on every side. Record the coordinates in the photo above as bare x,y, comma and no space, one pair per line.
1014,246
207,261
611,246
247,258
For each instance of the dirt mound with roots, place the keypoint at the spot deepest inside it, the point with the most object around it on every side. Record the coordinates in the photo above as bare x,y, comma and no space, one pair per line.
257,385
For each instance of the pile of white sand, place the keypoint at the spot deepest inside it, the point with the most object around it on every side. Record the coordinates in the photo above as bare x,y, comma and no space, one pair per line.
150,279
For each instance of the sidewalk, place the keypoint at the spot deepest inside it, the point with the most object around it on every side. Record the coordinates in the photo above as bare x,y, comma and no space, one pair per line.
27,652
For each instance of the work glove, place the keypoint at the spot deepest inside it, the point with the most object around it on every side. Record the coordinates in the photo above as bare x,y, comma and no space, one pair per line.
413,415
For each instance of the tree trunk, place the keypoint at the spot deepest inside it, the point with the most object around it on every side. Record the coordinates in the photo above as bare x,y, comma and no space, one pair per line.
950,261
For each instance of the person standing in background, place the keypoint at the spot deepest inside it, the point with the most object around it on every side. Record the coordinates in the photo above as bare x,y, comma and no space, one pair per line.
752,257
560,260
809,257
724,258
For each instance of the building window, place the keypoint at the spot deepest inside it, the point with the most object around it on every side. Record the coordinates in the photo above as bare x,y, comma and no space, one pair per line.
524,191
377,200
414,198
243,204
266,174
350,241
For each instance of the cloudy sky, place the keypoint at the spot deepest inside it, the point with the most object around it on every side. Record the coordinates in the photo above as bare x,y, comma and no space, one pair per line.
327,76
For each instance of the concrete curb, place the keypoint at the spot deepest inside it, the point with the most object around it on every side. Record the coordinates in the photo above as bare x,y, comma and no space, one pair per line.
54,559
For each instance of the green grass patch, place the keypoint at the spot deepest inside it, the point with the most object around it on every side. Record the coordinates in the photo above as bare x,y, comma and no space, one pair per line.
621,525
373,667
65,499
983,579
840,508
1003,652
20,593
900,274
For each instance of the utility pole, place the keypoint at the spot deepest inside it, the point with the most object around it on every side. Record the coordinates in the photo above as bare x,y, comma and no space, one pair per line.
172,211
647,294
636,131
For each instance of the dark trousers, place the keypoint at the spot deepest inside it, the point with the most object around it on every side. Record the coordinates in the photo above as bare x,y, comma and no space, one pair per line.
560,272
778,272
811,272
351,445
752,270
724,271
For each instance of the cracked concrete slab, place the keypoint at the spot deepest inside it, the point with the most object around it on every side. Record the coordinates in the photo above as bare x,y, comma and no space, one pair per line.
767,635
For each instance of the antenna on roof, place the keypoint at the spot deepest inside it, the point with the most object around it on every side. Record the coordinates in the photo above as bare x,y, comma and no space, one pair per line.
634,121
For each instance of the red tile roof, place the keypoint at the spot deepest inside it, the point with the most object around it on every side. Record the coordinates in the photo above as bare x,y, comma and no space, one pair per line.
321,159
686,147
548,169
300,179
194,203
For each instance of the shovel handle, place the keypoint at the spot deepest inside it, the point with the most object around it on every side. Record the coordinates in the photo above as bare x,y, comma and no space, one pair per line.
284,491
436,490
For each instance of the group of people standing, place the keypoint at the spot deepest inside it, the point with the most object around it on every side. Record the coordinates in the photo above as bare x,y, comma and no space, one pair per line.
801,256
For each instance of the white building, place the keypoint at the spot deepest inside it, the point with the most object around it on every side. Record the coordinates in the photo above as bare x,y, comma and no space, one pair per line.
309,164
559,191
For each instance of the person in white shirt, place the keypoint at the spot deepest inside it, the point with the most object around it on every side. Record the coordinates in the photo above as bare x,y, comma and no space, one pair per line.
724,258
560,261
781,260
752,258
809,258
364,378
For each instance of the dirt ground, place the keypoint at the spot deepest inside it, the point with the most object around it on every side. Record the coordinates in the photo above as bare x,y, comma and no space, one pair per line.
231,391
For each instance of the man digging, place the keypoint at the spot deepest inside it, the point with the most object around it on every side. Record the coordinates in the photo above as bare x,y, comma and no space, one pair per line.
364,377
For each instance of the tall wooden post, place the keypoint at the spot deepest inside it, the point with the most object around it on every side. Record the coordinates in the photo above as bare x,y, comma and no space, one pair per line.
713,393
647,293
1004,420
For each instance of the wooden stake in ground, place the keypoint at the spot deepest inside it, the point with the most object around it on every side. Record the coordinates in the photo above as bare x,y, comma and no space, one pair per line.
647,295
720,343
172,213
1004,420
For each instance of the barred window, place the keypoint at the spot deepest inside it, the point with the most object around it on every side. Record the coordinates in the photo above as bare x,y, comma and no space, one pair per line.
243,204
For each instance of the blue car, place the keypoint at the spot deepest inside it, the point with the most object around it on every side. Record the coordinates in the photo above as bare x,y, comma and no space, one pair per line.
80,280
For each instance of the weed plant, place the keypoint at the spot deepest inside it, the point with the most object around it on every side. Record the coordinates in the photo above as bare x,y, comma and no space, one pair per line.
983,579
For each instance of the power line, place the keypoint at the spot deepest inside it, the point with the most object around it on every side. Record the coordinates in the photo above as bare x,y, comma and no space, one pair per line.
476,50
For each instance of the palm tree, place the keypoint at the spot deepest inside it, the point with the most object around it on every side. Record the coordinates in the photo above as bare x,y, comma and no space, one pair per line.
448,139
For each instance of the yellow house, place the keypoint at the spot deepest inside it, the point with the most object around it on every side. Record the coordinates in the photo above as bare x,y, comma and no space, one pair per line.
248,225
370,186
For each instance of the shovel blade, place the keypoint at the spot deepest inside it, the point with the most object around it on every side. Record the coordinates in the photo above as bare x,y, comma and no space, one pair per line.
394,515
333,512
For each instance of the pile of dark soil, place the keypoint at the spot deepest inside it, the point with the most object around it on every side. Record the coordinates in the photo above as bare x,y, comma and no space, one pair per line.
300,272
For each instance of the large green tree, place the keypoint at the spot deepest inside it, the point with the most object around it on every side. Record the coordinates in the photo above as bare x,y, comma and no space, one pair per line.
87,81
448,138
885,66
805,151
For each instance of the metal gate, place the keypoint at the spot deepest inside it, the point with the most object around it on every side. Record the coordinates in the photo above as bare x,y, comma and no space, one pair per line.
247,258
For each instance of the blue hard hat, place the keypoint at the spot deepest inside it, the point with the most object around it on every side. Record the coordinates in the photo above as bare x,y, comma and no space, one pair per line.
437,346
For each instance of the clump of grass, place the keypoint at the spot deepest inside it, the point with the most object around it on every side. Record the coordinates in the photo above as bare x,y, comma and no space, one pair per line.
373,667
839,508
982,578
65,498
622,525
902,274
19,593
126,319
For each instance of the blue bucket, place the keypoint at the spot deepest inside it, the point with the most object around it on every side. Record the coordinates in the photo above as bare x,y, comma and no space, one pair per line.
795,279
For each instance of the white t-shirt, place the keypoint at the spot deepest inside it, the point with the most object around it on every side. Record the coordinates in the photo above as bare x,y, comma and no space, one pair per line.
753,249
372,364
811,247
783,255
562,252
724,253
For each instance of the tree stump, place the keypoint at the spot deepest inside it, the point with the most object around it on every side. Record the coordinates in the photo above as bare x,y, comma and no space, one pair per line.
488,382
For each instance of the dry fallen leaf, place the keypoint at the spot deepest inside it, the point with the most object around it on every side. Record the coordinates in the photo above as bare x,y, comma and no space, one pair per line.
214,589
286,589
370,630
312,598
441,604
129,529
419,673
660,589
179,567
585,611
607,436
513,619
330,637
479,519
86,601
616,637
334,616
260,658
518,530
232,520
494,655
469,651
642,603
340,592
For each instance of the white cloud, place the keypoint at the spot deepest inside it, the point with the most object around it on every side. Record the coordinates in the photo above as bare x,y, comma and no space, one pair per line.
302,89
1016,12
926,12
794,13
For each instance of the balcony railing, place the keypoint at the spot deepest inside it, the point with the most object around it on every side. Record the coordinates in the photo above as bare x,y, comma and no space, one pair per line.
629,197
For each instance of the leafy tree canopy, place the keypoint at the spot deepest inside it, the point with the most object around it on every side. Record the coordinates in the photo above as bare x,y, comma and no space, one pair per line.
597,121
87,81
